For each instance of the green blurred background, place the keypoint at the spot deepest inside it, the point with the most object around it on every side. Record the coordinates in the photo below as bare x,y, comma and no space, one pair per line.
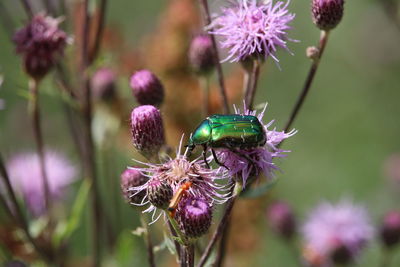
347,128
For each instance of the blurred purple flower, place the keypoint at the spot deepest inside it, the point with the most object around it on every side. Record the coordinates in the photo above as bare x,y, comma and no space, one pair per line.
253,28
26,178
176,172
238,164
147,88
103,84
201,54
331,230
281,219
40,43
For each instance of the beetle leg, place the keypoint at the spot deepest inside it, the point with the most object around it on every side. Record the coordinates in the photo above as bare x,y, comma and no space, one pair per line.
217,161
246,157
205,156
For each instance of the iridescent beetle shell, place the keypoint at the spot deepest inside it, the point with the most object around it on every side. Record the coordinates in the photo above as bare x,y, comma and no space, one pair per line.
229,131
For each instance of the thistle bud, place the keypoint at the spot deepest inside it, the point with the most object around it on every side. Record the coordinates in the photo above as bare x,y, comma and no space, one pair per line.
390,231
103,84
201,54
194,216
147,130
341,254
147,88
281,219
40,43
326,14
132,178
159,193
312,52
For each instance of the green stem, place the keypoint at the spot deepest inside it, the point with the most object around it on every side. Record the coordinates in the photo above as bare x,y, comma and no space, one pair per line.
252,84
149,244
205,85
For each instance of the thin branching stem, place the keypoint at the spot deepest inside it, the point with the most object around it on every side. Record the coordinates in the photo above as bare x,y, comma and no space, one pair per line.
149,244
220,74
310,77
38,135
28,8
98,30
205,86
252,84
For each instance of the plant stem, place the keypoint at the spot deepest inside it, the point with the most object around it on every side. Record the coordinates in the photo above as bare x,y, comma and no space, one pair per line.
98,31
386,256
218,232
310,77
204,81
17,215
37,131
28,8
89,162
177,245
222,246
149,244
252,84
187,256
220,73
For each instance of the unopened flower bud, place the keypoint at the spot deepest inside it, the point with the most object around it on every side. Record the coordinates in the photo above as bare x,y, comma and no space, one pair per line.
147,130
390,231
201,54
159,193
103,84
326,14
147,88
132,178
312,52
40,43
281,219
194,216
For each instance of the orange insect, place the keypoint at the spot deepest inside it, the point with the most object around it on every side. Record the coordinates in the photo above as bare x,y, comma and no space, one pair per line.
173,204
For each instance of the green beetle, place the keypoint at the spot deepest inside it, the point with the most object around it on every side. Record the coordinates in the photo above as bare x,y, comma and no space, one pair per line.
228,131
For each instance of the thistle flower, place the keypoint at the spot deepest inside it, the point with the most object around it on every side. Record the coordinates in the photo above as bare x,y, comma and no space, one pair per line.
252,28
130,178
26,178
281,218
201,54
248,163
174,173
194,216
147,88
337,233
103,84
147,130
327,14
390,229
41,43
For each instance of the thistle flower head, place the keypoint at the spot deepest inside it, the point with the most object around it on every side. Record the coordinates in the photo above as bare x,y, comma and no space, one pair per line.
103,84
337,232
201,54
390,229
175,173
147,130
194,216
252,28
26,178
40,43
281,218
147,88
131,178
327,14
243,164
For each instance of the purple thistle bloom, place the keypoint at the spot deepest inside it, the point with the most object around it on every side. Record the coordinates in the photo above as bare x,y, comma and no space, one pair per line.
26,178
390,229
240,168
130,178
41,43
194,216
253,28
103,84
330,229
176,172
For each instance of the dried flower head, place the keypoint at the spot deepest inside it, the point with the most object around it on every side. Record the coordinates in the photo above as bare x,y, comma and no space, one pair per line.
194,216
282,220
40,43
201,54
130,178
175,173
103,84
26,178
147,130
327,14
334,231
252,28
249,163
390,229
147,88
